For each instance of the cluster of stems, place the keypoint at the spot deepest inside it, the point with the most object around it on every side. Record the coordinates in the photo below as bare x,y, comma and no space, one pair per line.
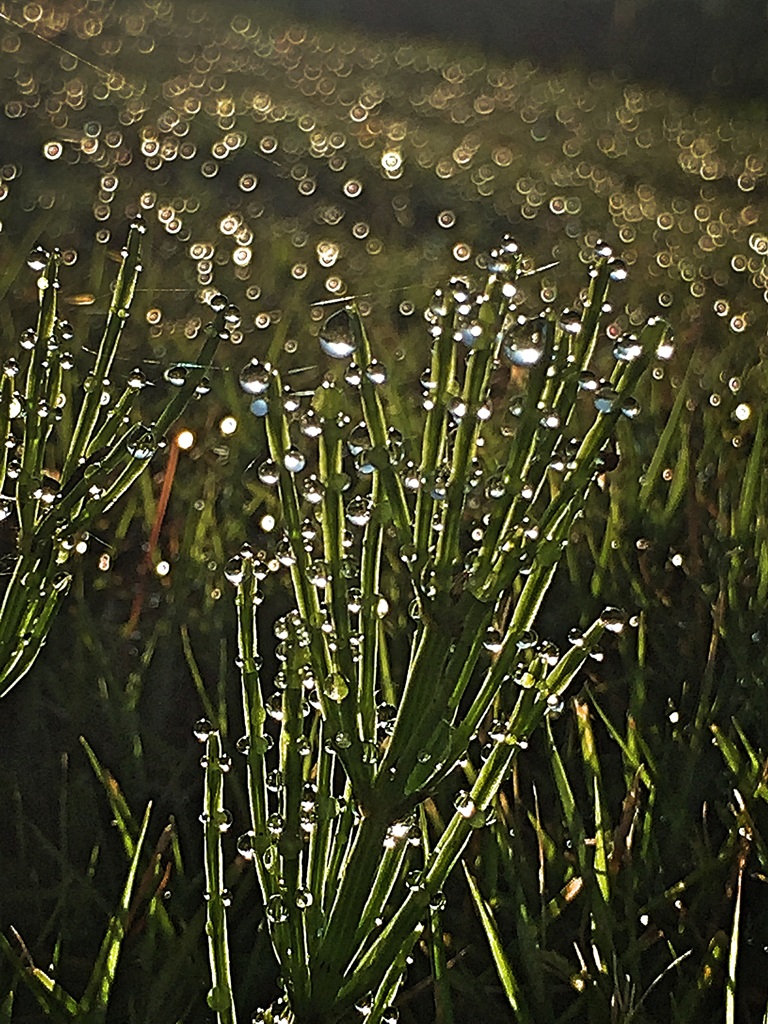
59,472
341,753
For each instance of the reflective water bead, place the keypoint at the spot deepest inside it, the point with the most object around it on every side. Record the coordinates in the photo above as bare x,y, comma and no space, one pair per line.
376,372
337,335
294,460
614,619
627,349
605,399
176,375
617,270
38,259
233,570
268,472
310,424
629,406
255,377
202,730
358,511
313,490
142,446
570,321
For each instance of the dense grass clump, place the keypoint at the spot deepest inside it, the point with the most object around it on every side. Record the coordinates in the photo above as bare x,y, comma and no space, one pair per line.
483,715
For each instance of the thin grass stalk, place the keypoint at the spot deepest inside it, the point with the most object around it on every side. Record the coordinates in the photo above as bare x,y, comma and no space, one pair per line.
119,308
216,820
442,372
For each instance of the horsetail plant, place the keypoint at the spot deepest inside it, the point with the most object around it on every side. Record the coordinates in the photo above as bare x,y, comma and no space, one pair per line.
104,454
375,710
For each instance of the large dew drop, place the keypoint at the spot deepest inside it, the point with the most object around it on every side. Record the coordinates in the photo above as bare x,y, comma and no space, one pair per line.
337,335
254,378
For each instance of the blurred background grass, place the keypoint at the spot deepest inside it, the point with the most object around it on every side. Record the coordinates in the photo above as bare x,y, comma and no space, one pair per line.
286,163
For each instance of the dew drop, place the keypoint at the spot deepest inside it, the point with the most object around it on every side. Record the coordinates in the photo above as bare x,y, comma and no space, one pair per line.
255,378
294,460
335,687
202,730
605,399
337,336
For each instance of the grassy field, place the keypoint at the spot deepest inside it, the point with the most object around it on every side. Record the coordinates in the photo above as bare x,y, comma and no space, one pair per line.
617,871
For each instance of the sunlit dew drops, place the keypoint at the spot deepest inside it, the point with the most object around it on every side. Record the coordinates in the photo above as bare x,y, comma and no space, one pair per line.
524,348
605,399
327,253
629,407
294,460
614,619
446,218
337,335
268,472
376,372
627,349
37,259
176,375
142,446
335,687
255,377
202,730
617,270
358,511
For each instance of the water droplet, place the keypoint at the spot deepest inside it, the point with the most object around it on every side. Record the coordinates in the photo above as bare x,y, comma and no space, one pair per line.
143,446
358,511
464,804
335,687
304,899
493,640
376,372
605,399
255,377
259,407
617,270
202,729
38,259
294,460
570,321
337,336
627,349
268,472
277,912
176,375
614,619
233,570
457,408
524,348
630,407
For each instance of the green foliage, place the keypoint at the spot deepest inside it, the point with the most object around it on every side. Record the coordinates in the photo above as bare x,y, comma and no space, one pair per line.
619,866
104,452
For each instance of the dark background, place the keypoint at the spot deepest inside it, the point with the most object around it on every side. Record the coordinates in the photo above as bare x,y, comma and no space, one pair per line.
706,49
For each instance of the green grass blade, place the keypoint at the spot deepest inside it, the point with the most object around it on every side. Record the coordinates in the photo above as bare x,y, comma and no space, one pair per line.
95,1001
504,968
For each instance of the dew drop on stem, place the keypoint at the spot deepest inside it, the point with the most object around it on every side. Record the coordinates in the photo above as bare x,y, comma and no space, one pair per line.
337,335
